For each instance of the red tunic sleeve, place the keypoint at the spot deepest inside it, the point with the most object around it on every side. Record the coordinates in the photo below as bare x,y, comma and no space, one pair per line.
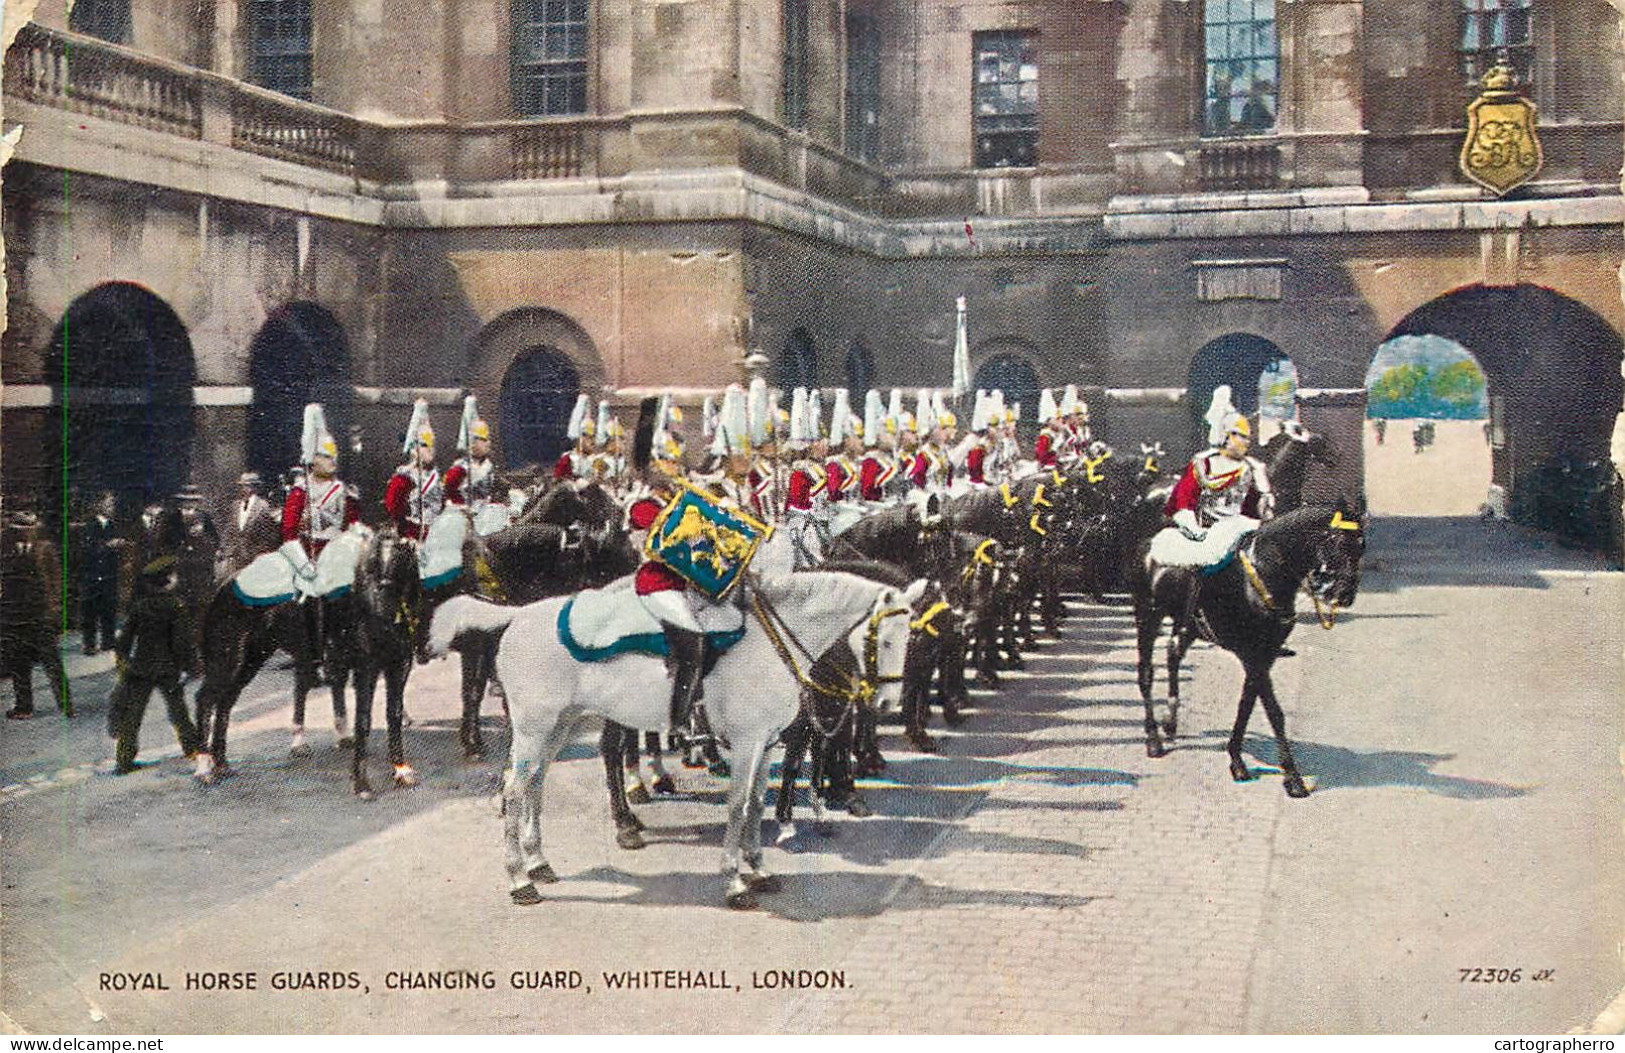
835,479
869,479
453,481
1044,452
801,491
352,510
397,498
1185,493
643,513
293,512
974,463
917,469
563,468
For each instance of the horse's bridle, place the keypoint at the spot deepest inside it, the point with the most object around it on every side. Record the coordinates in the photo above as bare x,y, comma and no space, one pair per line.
856,691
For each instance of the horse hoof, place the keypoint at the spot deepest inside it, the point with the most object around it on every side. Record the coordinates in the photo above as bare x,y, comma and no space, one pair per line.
1296,789
345,742
1241,773
1170,730
542,875
953,717
363,791
1154,748
405,776
665,786
637,824
745,900
987,683
473,753
858,808
760,882
525,897
299,749
638,794
629,838
923,743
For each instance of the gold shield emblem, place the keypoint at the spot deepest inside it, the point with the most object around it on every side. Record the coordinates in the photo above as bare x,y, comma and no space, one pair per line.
1501,150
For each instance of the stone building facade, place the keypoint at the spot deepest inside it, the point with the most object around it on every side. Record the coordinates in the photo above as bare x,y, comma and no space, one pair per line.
528,198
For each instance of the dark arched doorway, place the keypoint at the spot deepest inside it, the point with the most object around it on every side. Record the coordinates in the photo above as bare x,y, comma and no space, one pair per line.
300,355
1015,376
1552,371
1242,361
538,392
122,365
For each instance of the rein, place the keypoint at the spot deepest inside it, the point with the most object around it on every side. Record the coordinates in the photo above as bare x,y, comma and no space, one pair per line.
1325,612
858,690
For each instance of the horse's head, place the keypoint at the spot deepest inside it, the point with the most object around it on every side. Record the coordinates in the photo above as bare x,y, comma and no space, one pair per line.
881,641
388,577
1317,446
1335,576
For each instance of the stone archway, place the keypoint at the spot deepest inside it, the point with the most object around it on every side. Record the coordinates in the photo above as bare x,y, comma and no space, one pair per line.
122,367
1240,360
1012,372
559,357
300,355
1552,366
538,393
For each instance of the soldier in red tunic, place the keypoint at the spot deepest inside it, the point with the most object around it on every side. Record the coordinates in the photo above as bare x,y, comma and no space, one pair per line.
841,472
1052,440
578,464
662,591
319,507
415,495
879,466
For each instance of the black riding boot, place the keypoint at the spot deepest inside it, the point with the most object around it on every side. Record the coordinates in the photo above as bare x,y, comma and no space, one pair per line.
685,658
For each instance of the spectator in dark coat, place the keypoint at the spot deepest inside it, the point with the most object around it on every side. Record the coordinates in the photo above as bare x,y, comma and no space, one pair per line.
30,614
154,651
100,554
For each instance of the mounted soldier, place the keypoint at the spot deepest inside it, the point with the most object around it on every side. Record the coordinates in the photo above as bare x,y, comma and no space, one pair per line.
730,447
472,482
979,442
319,506
1051,445
806,504
846,437
1007,448
767,488
1076,414
879,465
1223,490
928,466
416,494
578,463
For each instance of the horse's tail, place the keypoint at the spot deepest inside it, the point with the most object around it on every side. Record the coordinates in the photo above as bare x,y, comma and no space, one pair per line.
461,619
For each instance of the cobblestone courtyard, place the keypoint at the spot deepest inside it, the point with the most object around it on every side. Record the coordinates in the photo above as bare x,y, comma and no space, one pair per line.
1462,725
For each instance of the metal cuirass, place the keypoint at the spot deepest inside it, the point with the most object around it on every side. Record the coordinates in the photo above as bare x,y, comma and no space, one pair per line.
1225,484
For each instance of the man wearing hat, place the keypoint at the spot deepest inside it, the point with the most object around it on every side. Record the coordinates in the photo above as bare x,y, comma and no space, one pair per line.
319,506
841,472
878,467
1220,483
29,620
100,561
416,495
154,650
577,464
805,502
254,529
1052,441
471,481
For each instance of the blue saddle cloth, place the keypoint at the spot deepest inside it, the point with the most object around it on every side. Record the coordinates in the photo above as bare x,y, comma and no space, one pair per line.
628,634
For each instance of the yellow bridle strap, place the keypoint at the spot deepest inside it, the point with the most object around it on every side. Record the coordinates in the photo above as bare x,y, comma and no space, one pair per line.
923,622
1033,523
1055,474
1010,500
1090,466
1325,613
1339,523
979,556
1151,465
1257,582
1039,500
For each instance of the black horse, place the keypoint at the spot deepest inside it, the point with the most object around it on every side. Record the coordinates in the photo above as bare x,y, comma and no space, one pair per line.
1249,607
1287,457
381,641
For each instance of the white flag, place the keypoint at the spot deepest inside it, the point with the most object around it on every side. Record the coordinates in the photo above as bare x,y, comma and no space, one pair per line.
961,382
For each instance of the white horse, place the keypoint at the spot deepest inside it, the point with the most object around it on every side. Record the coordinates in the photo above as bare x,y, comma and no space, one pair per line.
751,696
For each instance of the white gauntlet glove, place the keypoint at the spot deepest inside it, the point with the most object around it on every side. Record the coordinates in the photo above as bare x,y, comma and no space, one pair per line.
294,553
1185,520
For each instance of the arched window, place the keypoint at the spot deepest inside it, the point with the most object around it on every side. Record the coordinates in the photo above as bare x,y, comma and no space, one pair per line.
860,371
549,57
300,355
279,46
107,19
1243,75
1015,376
1491,27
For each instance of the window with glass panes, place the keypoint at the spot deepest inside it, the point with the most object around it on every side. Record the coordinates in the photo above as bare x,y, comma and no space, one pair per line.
1004,104
795,29
862,87
1242,63
107,19
549,57
280,46
1491,27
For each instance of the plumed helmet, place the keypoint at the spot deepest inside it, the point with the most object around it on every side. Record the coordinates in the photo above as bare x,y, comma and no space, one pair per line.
925,416
1219,411
731,433
874,416
472,427
758,412
798,417
315,438
581,423
1047,408
419,432
606,428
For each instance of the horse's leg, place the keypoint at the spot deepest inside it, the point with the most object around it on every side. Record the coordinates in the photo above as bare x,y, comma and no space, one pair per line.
1272,709
474,673
1179,645
306,645
842,786
951,675
612,745
738,894
366,684
1244,711
660,780
756,876
914,711
637,792
341,646
1147,624
538,870
396,670
867,745
526,766
795,747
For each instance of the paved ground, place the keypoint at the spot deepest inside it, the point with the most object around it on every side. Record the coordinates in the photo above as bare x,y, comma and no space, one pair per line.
1040,874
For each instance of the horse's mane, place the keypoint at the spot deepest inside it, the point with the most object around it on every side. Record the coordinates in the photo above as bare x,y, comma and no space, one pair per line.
843,590
1301,518
876,570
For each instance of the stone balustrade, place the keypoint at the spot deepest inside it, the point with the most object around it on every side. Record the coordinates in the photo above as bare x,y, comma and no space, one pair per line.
86,75
272,125
1239,164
